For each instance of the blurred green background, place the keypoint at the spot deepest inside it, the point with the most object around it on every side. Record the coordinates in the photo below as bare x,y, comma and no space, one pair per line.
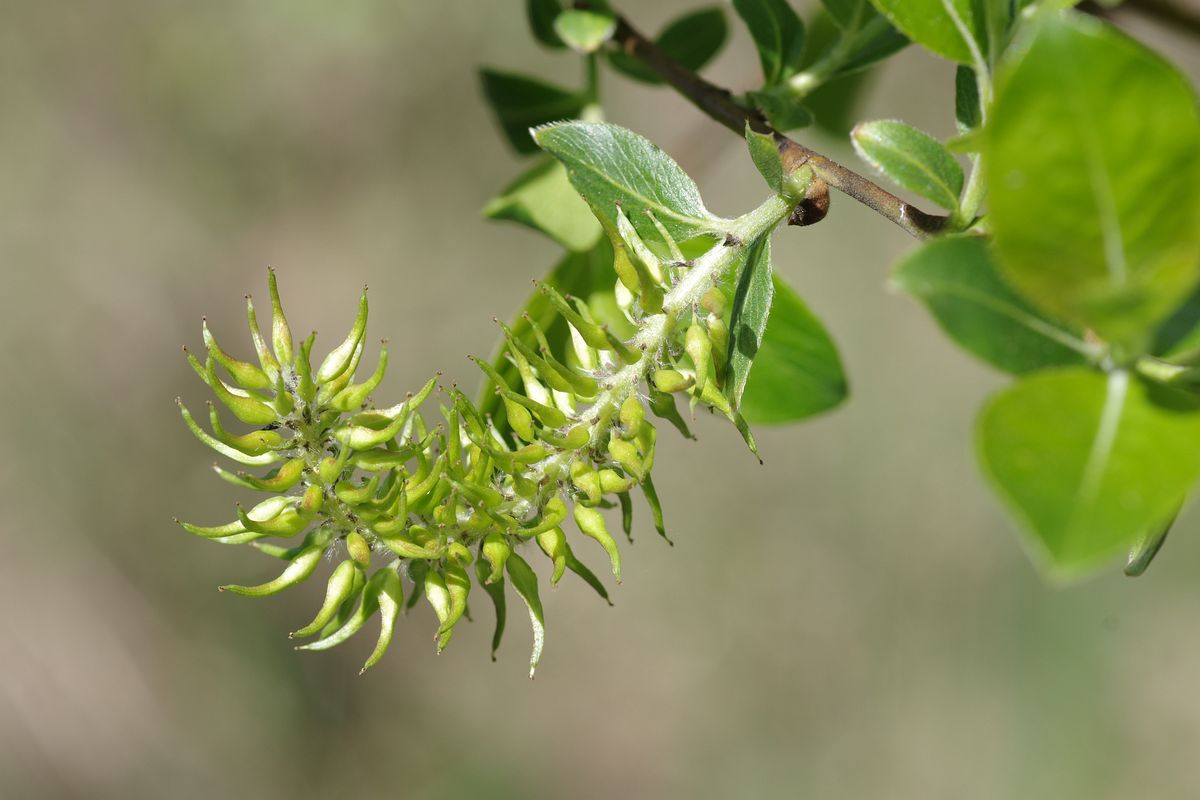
855,619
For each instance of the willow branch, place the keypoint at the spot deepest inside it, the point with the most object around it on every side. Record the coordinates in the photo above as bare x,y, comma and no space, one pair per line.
719,104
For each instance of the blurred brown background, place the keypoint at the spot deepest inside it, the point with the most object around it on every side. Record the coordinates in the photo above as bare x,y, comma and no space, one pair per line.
855,619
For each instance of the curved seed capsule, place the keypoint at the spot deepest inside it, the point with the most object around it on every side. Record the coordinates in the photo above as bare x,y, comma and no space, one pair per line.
337,591
438,595
283,403
548,415
279,480
221,447
269,364
670,380
613,482
390,597
643,258
627,274
353,495
458,553
298,571
587,480
495,590
327,391
306,388
244,373
632,415
458,585
348,607
699,348
332,467
287,522
361,437
627,354
407,549
557,375
715,300
247,409
554,544
592,333
553,514
366,609
215,532
646,438
525,582
576,438
718,334
419,487
281,334
519,419
495,551
253,443
340,357
358,548
626,454
591,524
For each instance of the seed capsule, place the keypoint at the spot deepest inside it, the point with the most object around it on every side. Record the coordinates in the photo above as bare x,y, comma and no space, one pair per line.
458,585
269,364
591,524
338,360
358,548
390,597
244,373
354,396
340,585
626,454
245,408
587,480
296,572
495,551
554,544
221,447
281,334
669,380
699,348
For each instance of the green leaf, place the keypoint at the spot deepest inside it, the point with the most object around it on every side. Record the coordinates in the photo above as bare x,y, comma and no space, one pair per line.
1087,462
1093,158
777,32
765,155
611,166
690,41
541,15
849,15
521,103
955,277
911,158
797,372
585,31
748,318
936,25
967,114
874,40
525,582
544,200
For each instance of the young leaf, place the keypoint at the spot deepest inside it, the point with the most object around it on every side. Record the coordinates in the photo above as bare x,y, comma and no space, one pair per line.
748,319
521,103
967,115
1093,159
690,41
955,277
765,155
613,167
1087,462
945,27
541,15
584,31
782,108
543,199
797,372
911,158
777,32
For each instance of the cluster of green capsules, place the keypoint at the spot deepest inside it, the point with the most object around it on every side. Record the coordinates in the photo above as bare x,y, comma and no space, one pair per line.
395,499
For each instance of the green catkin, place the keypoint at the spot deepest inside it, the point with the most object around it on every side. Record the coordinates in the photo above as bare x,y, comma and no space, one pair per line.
425,504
